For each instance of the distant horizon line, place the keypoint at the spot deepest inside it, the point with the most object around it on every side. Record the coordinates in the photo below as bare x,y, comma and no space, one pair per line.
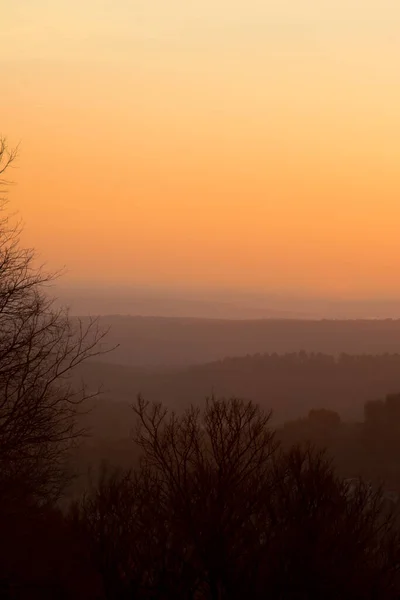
233,319
243,292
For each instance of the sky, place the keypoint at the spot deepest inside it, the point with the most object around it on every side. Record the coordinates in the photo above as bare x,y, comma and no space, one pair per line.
248,144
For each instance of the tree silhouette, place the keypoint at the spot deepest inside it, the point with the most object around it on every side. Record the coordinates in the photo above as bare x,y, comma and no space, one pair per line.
39,348
217,510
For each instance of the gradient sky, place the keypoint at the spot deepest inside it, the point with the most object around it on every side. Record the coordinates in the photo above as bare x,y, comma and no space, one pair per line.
243,143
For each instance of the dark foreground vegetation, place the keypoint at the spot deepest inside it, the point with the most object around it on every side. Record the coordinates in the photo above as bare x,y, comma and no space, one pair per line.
216,505
214,509
367,448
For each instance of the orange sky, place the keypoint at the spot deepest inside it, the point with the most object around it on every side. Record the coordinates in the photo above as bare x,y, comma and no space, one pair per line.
237,143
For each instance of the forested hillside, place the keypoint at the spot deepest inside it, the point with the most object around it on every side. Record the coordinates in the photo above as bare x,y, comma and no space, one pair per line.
288,384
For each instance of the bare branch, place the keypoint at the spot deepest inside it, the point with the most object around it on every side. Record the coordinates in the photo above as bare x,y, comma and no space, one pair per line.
40,347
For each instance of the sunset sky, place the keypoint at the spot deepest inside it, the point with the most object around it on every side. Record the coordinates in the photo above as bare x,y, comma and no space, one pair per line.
241,143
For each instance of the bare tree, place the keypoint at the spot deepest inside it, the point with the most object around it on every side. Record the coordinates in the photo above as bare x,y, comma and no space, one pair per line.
40,346
174,526
323,538
216,510
213,470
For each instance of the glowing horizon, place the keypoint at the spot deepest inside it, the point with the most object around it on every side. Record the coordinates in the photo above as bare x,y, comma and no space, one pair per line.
243,144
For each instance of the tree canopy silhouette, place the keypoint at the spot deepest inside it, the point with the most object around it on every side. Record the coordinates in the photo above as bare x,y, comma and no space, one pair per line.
39,348
216,510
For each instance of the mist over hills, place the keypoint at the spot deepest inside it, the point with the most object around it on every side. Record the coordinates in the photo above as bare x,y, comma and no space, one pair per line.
219,303
178,342
288,384
179,304
289,366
